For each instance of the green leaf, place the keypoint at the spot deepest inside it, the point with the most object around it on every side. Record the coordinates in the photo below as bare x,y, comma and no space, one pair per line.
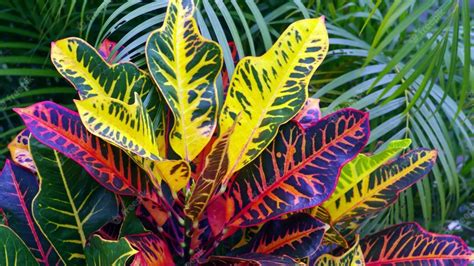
70,205
108,252
12,249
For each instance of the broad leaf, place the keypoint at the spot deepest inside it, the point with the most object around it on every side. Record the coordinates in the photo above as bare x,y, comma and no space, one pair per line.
61,129
17,190
12,250
125,125
299,169
107,252
269,90
151,250
298,236
70,205
409,244
309,115
382,187
352,257
19,150
248,259
176,173
185,66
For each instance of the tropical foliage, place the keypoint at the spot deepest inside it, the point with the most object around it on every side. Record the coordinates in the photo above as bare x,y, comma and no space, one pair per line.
175,163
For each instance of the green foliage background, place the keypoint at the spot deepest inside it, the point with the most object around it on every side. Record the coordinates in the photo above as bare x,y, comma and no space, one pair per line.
409,63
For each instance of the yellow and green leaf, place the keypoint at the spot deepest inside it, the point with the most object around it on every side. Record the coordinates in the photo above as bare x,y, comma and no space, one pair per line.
269,90
125,125
20,152
100,251
13,250
185,66
352,257
381,187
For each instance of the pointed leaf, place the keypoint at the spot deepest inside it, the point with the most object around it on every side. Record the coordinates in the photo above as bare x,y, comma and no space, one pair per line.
299,169
409,244
382,187
352,257
309,115
185,66
12,250
17,189
151,250
248,259
125,125
19,150
269,90
298,236
107,252
70,205
61,129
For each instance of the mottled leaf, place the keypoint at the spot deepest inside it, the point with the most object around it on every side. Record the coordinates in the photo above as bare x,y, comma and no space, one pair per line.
19,150
309,115
151,250
352,257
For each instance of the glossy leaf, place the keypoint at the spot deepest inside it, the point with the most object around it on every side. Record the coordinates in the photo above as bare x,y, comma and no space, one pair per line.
309,115
19,150
70,205
269,90
12,250
91,75
249,259
409,244
125,125
62,130
352,257
17,189
299,169
176,173
108,252
185,66
382,187
215,171
151,250
298,236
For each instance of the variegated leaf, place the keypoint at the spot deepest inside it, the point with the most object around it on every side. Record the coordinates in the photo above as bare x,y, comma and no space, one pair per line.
62,130
269,90
176,173
352,257
299,169
125,125
69,206
19,150
151,250
12,250
100,251
332,235
17,189
409,244
249,259
382,187
298,236
309,115
185,66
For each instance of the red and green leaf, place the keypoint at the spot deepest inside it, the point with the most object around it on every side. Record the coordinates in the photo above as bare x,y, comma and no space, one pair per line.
298,236
17,190
61,129
249,259
409,244
299,169
152,250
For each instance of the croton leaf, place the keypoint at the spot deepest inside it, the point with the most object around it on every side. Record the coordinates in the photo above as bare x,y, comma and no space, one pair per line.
19,150
152,250
176,173
409,244
332,235
108,252
17,190
12,250
61,129
249,259
298,236
185,66
352,257
299,169
309,115
269,90
382,187
70,205
126,125
91,75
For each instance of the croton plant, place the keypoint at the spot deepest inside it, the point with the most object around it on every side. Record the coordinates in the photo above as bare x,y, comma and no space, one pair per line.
164,167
